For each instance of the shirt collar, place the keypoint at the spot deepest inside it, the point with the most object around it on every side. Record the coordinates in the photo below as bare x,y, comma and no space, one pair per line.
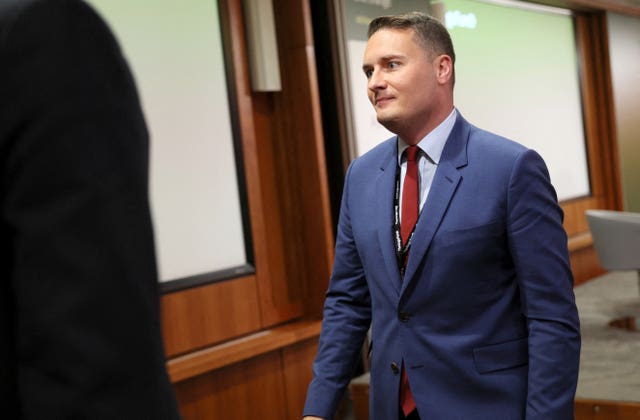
433,143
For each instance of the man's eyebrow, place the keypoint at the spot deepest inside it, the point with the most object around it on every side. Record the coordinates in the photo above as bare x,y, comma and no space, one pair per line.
392,57
384,58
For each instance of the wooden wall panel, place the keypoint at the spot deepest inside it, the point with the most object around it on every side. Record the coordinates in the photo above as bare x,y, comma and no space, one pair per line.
297,361
269,386
195,318
585,265
253,389
301,148
274,273
597,96
235,351
257,116
606,410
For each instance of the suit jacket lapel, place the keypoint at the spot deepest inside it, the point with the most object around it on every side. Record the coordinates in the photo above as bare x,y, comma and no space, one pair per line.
443,188
384,189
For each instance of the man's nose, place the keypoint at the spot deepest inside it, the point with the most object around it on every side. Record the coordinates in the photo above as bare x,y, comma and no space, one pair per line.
376,80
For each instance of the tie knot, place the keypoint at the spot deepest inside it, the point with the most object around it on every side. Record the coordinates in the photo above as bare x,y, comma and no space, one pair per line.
412,153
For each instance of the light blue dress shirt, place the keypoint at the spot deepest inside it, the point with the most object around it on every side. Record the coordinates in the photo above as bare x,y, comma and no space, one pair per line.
431,147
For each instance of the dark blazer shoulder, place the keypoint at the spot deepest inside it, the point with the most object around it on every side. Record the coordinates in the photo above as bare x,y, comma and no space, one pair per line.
10,10
52,10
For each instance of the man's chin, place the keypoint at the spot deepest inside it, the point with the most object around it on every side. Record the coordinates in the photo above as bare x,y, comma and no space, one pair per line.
388,122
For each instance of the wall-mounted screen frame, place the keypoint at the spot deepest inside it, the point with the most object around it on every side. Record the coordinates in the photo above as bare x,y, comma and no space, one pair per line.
180,61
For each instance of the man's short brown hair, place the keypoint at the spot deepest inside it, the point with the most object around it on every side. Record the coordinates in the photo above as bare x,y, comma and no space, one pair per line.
431,34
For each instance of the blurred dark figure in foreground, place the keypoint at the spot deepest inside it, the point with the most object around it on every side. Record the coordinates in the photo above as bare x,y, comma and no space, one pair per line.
79,319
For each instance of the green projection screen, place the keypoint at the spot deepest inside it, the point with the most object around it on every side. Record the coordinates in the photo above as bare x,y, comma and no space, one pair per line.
517,75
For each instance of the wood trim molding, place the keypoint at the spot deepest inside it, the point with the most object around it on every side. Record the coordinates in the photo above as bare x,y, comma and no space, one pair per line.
588,409
580,241
234,351
626,7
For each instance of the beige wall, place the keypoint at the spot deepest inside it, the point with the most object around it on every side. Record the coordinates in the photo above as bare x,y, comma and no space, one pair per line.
624,47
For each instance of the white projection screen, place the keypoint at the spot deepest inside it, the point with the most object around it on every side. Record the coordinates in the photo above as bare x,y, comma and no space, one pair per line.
176,54
517,75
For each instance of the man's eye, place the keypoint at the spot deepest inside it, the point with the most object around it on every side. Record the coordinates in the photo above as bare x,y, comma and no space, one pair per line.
393,64
368,73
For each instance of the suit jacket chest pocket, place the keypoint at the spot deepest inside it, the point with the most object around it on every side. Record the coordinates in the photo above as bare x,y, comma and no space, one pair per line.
476,247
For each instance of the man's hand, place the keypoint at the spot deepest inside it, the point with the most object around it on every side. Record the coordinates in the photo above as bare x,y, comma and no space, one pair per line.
312,418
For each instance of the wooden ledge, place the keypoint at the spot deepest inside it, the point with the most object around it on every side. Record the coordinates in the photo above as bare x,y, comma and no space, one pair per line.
234,351
599,409
580,241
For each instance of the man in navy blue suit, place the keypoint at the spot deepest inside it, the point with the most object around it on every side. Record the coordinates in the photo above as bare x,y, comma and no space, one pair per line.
472,311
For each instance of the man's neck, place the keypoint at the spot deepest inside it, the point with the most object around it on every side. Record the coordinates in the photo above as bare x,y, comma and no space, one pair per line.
433,121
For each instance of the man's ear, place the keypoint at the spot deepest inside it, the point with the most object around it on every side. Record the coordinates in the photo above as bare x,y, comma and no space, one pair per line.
444,68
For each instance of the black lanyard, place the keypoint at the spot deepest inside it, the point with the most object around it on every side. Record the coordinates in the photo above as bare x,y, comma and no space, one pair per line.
401,251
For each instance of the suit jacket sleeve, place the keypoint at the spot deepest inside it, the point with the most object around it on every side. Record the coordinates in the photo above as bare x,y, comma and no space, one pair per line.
86,330
538,246
346,319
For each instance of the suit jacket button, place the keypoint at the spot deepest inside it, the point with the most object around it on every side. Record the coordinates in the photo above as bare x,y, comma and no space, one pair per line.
404,317
394,368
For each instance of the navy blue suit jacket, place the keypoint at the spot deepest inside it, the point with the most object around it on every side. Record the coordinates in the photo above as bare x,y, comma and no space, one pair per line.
485,317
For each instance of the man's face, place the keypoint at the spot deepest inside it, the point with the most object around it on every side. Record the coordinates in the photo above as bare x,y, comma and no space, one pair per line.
402,83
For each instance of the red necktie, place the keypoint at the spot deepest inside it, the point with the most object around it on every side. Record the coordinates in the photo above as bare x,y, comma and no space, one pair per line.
410,195
410,209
